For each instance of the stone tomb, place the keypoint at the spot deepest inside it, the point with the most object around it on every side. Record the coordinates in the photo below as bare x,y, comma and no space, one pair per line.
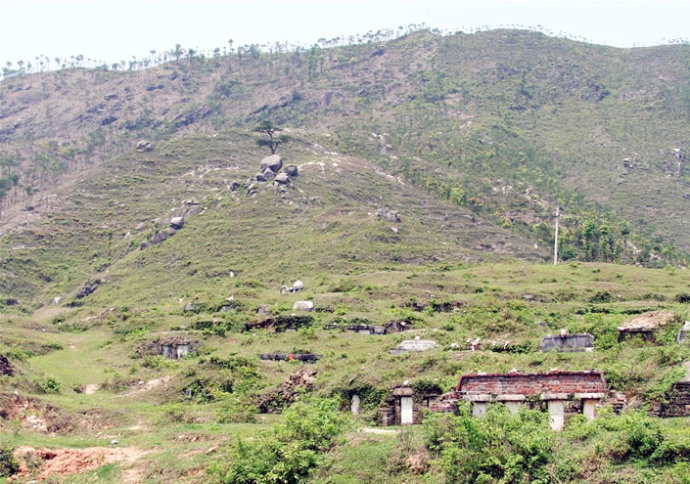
645,325
173,347
567,342
404,406
556,389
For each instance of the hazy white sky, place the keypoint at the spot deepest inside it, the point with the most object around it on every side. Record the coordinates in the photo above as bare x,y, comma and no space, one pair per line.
112,31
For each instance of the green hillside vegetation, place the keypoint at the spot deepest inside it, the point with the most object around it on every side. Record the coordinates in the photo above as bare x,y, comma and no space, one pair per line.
429,171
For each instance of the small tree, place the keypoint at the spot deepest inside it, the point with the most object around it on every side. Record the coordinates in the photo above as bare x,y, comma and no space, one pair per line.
274,139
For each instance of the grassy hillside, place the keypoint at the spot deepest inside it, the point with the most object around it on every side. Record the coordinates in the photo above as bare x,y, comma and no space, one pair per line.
89,384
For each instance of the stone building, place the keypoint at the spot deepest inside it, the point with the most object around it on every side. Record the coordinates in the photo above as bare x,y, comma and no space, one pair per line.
557,390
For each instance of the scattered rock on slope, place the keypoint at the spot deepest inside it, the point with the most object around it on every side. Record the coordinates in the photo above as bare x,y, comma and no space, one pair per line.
273,163
282,178
143,146
389,215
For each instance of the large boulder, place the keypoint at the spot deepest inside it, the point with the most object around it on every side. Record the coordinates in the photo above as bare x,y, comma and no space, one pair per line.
273,163
282,178
292,170
177,222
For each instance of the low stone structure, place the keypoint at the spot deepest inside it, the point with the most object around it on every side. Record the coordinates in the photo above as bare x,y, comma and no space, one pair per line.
296,287
677,400
567,342
173,347
304,357
554,389
404,406
273,163
414,345
388,328
645,325
281,323
677,403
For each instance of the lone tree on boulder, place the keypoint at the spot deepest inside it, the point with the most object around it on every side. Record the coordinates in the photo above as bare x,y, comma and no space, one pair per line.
274,139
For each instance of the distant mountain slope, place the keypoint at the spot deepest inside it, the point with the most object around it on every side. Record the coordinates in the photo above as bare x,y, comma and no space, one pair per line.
501,126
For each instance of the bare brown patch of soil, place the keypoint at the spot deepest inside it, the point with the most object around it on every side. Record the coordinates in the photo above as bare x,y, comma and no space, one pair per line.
143,386
37,416
42,463
34,415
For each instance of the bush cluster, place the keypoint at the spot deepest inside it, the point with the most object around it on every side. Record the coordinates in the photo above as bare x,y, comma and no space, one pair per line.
290,451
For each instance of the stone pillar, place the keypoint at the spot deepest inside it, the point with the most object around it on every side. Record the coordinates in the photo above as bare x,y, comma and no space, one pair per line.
512,402
354,406
556,405
589,403
479,403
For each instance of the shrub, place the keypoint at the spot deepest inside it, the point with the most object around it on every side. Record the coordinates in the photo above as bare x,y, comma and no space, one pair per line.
237,408
682,297
497,448
290,451
601,297
47,385
8,464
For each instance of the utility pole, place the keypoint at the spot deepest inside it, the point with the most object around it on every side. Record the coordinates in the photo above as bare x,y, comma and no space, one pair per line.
555,242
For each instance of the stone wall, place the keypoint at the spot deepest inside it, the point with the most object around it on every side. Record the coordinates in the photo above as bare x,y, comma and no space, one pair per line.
678,404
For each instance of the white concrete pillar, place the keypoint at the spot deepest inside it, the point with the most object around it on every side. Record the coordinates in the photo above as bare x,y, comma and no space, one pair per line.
589,408
479,403
513,407
589,403
479,409
406,411
354,406
557,414
511,401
